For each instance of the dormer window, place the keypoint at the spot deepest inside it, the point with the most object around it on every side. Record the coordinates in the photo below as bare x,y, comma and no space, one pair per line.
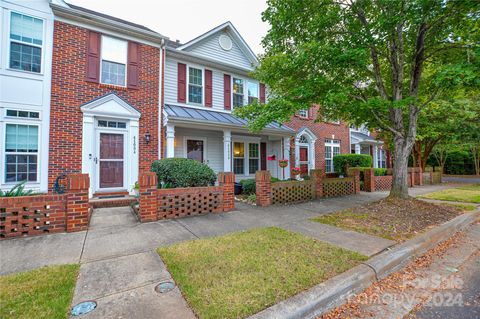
195,85
114,61
238,92
303,113
252,92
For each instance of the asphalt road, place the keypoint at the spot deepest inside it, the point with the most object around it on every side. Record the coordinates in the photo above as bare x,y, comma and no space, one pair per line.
465,302
469,180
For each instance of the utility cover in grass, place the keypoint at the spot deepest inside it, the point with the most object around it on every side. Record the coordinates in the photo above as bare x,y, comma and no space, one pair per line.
239,274
41,293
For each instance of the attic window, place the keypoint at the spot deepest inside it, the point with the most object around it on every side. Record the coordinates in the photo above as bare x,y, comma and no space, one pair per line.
225,42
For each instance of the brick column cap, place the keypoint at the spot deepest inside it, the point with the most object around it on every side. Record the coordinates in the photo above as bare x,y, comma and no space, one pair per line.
226,178
76,182
263,176
147,179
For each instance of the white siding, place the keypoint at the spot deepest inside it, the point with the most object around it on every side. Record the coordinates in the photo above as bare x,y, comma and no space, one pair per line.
171,82
214,147
210,48
21,90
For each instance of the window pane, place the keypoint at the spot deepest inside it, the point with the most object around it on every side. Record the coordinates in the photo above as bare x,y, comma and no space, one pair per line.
238,150
253,150
253,89
195,76
237,86
238,166
26,29
252,166
113,73
25,57
114,50
195,94
195,150
303,113
237,100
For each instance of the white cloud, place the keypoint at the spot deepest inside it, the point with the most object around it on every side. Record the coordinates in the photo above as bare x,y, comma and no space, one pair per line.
186,19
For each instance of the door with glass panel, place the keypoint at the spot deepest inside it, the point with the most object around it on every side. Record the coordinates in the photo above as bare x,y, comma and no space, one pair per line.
332,148
303,160
195,150
111,160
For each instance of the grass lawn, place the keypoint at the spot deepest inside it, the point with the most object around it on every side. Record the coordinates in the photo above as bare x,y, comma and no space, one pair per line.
468,194
41,293
393,219
239,274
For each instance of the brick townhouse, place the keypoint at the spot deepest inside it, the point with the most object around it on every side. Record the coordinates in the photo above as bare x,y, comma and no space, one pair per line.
105,101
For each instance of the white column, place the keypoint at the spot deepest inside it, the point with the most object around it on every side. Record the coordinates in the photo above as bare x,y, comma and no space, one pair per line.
286,155
227,151
375,156
358,149
170,141
133,166
311,154
297,151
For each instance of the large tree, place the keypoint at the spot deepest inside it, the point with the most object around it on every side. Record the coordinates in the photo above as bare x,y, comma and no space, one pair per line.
364,61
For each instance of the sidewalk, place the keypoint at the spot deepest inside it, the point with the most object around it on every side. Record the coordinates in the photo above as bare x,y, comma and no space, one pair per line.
119,267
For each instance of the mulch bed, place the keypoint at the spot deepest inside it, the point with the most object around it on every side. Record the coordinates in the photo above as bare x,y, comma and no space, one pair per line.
397,219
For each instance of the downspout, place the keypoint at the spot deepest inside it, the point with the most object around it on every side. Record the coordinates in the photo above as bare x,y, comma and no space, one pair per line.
161,97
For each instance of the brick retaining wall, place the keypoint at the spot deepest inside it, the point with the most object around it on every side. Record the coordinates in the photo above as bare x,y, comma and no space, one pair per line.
155,204
47,213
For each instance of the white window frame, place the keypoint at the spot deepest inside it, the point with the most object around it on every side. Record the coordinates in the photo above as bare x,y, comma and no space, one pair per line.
250,158
196,138
258,90
301,115
331,143
202,69
231,84
101,60
246,156
3,161
381,158
9,42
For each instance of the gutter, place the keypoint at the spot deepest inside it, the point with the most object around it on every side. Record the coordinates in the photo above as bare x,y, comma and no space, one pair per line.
85,17
192,57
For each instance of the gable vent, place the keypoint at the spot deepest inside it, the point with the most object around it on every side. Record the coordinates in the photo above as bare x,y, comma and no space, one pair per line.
225,42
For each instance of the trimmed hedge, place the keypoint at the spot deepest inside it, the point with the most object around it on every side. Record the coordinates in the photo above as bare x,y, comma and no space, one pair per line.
183,172
342,162
376,171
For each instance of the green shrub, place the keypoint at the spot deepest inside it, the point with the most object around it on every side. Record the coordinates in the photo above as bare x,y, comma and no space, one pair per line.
17,190
343,162
248,186
380,171
183,172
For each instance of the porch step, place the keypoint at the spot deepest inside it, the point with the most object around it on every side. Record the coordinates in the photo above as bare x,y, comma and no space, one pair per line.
112,201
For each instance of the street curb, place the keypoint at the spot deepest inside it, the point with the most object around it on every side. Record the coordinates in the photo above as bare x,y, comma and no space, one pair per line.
334,292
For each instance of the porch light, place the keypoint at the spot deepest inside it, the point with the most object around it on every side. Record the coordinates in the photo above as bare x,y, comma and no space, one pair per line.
147,137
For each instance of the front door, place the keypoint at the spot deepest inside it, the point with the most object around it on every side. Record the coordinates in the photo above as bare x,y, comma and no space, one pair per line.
195,150
111,160
303,160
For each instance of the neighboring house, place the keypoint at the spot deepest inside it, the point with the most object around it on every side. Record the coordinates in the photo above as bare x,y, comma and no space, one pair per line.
25,77
105,101
316,143
205,79
364,142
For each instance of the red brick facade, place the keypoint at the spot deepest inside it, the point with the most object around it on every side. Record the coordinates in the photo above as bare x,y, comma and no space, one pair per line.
70,91
322,131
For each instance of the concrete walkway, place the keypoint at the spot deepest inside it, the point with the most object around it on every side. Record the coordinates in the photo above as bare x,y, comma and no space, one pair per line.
119,267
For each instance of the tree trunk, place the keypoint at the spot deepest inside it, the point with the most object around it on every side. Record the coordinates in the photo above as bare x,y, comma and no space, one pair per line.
400,169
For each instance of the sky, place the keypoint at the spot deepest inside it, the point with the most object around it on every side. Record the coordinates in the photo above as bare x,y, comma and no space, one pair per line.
186,19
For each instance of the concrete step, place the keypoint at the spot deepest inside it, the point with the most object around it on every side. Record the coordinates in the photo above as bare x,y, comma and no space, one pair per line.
114,201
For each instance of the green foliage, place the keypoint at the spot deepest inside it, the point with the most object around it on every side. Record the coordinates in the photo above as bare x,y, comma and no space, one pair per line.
249,186
183,172
343,162
380,171
17,190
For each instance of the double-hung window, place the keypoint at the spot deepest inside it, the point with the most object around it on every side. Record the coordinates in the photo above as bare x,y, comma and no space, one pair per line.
332,148
26,41
252,92
21,153
238,92
195,85
382,159
114,61
253,157
303,113
239,158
